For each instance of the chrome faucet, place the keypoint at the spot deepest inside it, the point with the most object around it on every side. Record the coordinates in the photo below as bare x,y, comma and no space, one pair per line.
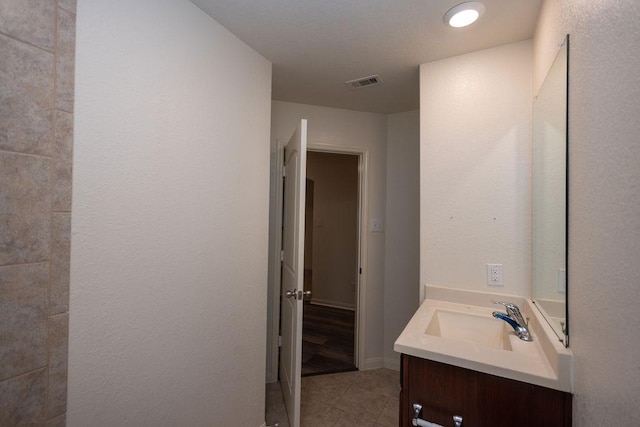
514,318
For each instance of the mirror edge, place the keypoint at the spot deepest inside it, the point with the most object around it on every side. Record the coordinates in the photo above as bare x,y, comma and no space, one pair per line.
566,212
564,339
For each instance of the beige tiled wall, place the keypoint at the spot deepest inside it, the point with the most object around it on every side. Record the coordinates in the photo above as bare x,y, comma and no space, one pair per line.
37,45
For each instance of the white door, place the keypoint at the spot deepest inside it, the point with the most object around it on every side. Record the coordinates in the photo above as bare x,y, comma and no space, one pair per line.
292,292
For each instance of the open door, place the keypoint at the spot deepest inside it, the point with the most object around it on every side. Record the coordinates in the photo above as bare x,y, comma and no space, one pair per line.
292,292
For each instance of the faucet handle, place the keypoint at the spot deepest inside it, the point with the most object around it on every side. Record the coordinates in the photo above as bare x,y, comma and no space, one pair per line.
514,311
508,305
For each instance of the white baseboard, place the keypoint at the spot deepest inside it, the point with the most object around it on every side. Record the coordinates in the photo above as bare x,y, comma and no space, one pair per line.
374,363
382,362
392,363
332,304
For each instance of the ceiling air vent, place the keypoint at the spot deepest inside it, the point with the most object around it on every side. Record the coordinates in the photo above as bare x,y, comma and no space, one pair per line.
364,82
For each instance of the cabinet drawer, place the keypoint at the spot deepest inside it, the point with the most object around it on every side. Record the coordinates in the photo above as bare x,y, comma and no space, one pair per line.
481,399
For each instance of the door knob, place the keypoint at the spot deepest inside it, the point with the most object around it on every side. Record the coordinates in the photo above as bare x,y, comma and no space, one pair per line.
297,294
290,294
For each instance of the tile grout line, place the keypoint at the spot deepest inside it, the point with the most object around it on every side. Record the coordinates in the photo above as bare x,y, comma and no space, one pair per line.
41,156
15,38
24,373
333,405
73,12
351,382
24,264
382,409
386,397
54,121
57,111
45,295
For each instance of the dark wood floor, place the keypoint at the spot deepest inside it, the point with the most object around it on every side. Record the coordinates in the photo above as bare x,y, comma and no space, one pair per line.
327,340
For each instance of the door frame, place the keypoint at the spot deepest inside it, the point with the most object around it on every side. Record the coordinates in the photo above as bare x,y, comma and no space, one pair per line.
273,320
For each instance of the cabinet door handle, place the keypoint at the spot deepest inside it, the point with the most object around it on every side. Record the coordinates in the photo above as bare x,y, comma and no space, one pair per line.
419,422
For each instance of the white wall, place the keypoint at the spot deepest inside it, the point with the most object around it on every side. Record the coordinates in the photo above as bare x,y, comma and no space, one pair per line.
475,162
169,228
335,228
368,131
402,238
604,199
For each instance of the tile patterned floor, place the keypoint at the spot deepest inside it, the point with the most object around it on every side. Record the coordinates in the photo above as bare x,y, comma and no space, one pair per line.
353,399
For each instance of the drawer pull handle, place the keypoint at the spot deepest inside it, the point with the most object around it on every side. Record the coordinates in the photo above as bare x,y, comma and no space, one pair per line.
419,422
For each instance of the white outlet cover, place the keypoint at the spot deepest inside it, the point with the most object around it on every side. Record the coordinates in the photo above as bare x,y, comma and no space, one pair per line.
495,275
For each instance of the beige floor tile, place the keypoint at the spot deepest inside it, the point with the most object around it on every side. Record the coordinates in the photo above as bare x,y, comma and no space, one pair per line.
332,380
390,413
312,412
359,398
362,403
326,390
339,418
345,377
383,381
389,374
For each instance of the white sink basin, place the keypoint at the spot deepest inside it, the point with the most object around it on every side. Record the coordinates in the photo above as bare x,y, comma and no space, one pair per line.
485,331
468,336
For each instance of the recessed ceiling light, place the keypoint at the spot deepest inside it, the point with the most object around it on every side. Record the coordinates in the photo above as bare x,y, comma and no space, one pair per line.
464,14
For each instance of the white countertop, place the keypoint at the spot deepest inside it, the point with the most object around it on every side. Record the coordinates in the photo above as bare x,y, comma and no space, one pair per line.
544,361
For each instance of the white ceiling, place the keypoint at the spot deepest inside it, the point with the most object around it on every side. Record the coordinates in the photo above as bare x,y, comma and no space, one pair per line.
317,45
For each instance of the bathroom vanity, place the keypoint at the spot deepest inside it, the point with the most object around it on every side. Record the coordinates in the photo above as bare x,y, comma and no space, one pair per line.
479,399
458,360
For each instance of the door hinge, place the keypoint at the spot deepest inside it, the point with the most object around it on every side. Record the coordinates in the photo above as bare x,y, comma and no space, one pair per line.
284,171
279,340
281,255
360,270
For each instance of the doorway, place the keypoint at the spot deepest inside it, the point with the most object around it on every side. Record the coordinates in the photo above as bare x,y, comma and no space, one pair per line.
274,290
331,269
279,326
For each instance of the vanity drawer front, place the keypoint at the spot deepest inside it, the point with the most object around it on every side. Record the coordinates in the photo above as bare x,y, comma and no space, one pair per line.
443,390
480,399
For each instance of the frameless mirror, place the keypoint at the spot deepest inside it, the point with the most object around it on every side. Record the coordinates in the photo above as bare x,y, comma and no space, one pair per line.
549,222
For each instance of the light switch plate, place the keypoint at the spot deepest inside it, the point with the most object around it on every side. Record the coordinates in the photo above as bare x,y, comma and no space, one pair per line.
562,280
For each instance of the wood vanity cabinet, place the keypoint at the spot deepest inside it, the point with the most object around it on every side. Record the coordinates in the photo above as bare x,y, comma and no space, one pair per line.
480,399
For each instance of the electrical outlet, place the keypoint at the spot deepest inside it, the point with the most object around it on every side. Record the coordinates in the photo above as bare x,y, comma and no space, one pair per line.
494,275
